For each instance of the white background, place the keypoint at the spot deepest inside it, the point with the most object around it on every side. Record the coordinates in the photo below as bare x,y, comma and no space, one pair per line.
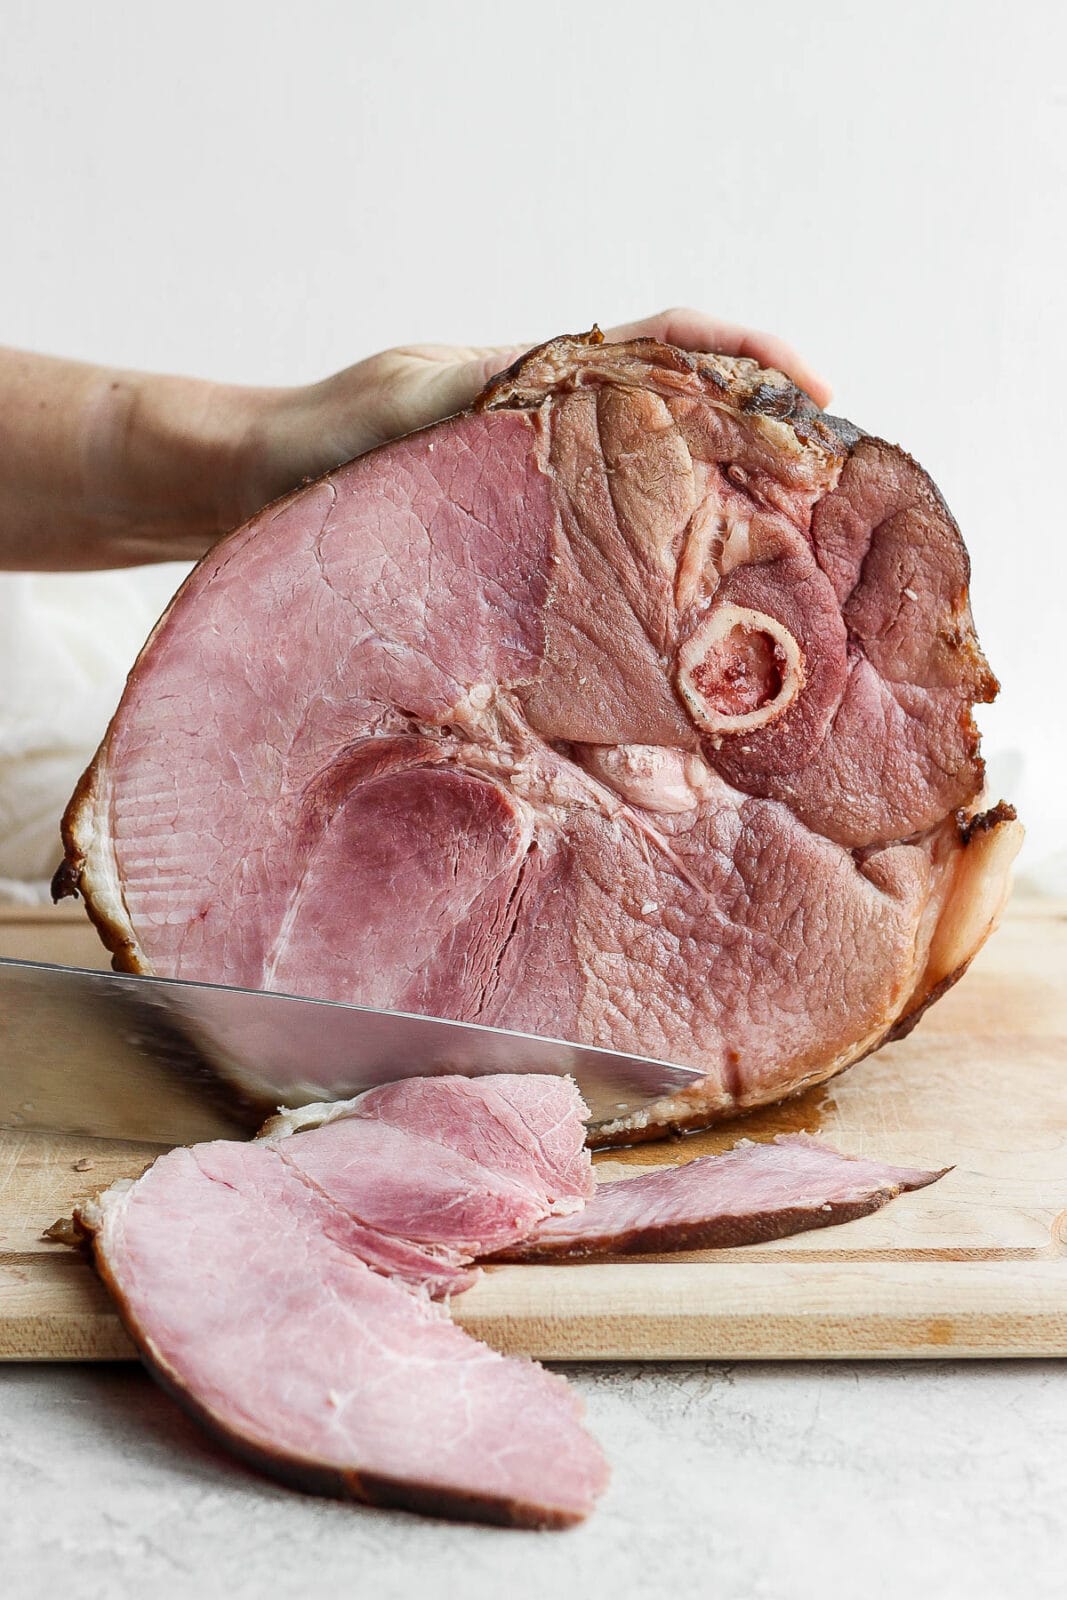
264,192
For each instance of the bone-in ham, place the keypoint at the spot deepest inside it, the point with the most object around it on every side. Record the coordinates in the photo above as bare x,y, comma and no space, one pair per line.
632,706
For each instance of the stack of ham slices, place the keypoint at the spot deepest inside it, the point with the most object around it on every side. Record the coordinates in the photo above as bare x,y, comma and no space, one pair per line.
290,1291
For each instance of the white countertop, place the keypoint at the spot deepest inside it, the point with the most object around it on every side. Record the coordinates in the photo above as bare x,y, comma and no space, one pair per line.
745,1482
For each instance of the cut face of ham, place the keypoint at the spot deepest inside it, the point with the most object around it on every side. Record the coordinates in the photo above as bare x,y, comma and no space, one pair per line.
746,1195
282,1290
633,707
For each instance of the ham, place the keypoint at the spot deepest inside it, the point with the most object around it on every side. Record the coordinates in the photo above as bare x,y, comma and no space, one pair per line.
282,1292
249,1299
747,1195
452,1168
290,1292
632,707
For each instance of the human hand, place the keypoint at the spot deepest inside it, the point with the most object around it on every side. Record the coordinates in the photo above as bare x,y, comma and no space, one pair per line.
304,432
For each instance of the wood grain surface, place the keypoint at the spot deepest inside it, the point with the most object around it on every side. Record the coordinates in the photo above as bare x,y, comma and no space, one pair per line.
974,1266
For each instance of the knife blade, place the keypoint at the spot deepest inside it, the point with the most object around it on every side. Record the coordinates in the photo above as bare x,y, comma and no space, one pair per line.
166,1061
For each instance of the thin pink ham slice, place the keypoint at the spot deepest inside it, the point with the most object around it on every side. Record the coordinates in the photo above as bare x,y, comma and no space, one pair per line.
744,1196
248,1298
255,1280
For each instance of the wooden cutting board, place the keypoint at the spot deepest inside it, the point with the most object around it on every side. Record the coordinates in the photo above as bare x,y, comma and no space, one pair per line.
974,1266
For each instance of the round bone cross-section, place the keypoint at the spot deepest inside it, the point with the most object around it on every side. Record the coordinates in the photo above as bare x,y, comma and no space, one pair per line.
739,670
632,706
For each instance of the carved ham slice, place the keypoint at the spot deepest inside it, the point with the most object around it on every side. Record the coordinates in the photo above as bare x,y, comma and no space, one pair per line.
248,1298
747,1195
632,707
281,1291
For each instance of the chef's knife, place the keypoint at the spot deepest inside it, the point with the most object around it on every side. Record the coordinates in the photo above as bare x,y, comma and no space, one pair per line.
170,1062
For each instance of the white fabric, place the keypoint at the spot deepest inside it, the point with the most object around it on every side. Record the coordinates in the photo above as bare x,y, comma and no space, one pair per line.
66,644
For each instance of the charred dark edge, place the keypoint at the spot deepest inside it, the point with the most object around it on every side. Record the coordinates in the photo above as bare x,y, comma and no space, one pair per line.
784,401
72,1232
67,878
719,1233
307,1477
903,1025
65,882
985,821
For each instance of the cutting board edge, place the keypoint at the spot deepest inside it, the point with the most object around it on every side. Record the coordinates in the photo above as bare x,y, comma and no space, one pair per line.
1042,1336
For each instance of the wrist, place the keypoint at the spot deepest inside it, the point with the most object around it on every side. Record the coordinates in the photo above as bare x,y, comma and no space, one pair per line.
292,436
268,426
169,464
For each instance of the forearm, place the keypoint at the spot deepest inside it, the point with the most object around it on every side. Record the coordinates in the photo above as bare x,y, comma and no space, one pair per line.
104,468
